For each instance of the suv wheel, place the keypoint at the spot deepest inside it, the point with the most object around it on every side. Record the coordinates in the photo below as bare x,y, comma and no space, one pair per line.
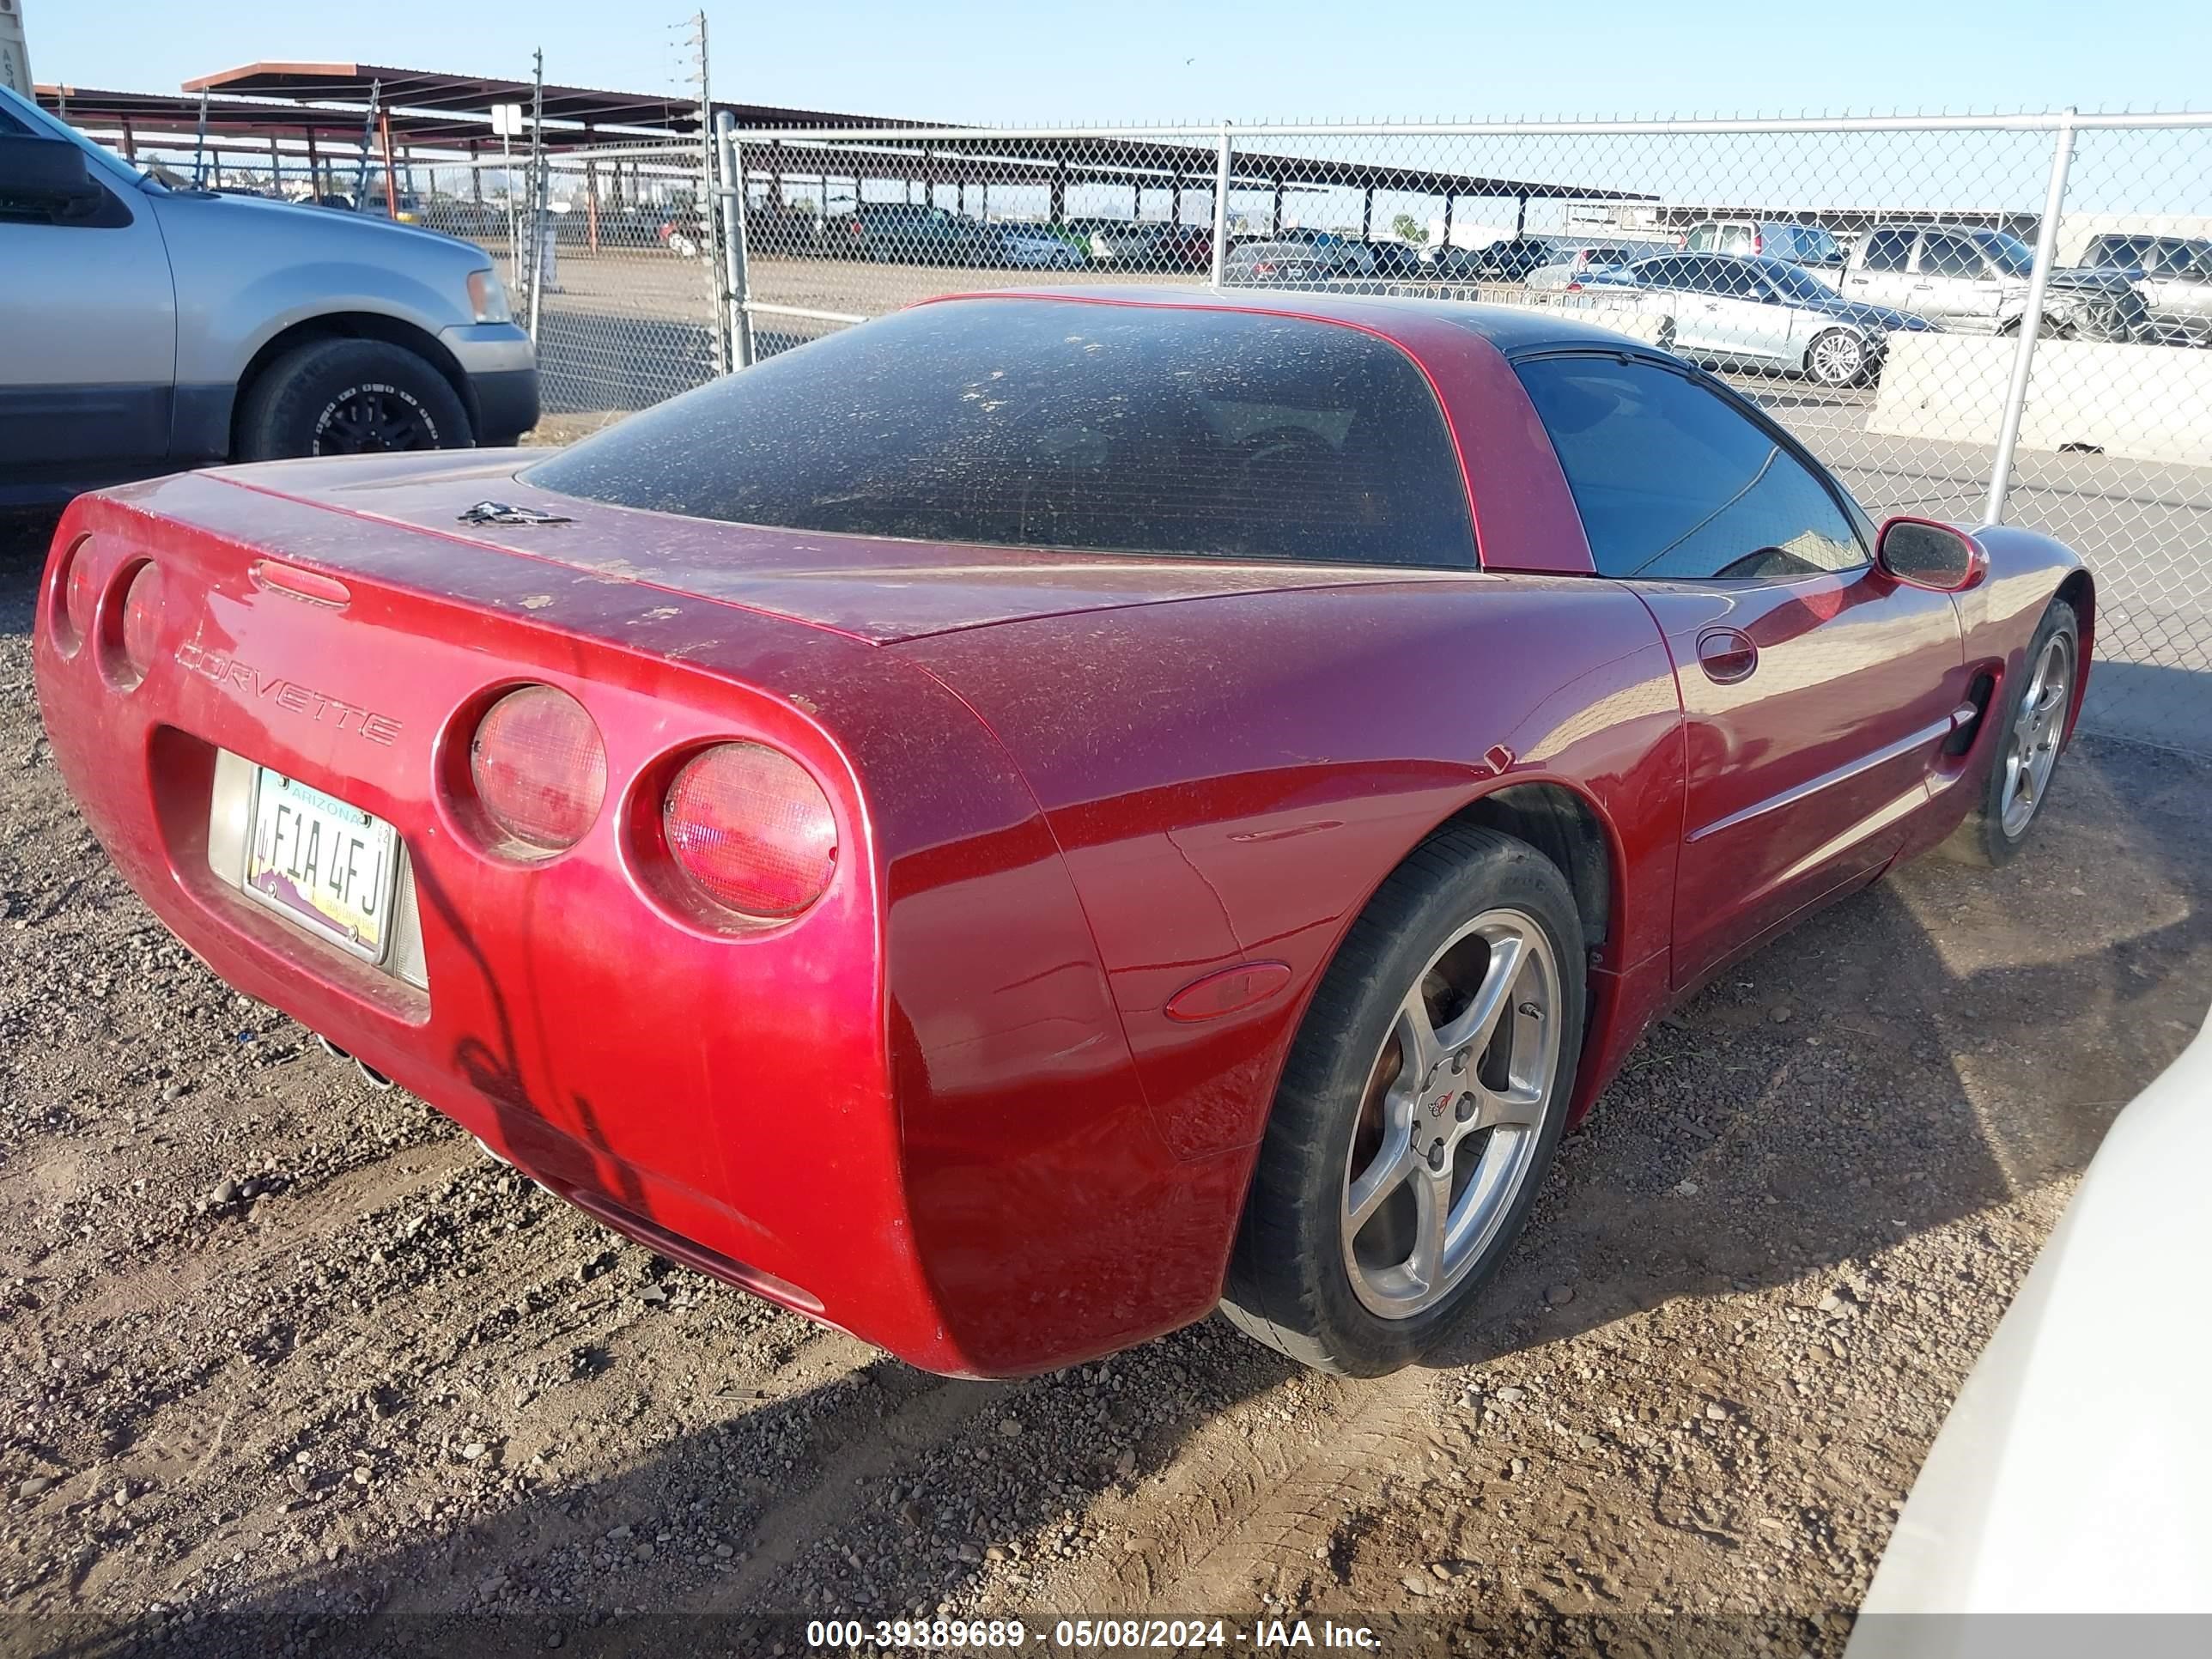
348,398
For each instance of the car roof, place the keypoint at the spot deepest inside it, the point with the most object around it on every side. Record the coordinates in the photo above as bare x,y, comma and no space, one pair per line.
1510,328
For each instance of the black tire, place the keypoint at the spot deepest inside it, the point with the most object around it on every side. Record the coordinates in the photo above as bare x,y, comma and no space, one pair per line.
1289,1285
349,396
1985,839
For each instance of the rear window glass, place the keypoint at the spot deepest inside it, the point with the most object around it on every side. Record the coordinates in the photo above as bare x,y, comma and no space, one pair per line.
1041,423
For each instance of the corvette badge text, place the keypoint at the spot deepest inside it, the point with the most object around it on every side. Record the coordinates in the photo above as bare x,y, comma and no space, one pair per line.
286,694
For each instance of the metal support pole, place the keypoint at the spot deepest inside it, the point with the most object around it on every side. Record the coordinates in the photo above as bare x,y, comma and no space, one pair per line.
540,192
368,126
199,144
1367,216
2030,321
736,274
383,142
1445,241
1277,222
1221,208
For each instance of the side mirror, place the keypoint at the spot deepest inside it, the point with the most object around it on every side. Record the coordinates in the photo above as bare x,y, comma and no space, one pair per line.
1927,554
46,176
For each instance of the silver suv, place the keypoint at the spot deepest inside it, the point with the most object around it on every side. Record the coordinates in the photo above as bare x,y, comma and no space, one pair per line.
1773,238
1976,280
150,329
2175,279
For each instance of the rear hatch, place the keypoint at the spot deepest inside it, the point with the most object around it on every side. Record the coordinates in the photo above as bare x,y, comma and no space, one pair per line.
869,588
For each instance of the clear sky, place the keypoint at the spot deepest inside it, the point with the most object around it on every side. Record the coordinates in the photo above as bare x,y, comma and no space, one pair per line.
1088,61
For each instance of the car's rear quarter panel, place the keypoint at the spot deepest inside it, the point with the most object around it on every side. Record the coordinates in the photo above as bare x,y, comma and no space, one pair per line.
1229,780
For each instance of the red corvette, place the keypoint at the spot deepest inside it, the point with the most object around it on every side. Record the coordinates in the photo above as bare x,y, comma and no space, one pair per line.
1020,822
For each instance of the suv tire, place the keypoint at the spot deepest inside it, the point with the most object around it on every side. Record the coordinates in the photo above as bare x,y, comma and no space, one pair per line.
349,396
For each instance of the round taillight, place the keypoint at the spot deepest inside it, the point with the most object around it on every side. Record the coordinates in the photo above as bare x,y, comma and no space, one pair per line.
751,829
142,619
80,594
538,768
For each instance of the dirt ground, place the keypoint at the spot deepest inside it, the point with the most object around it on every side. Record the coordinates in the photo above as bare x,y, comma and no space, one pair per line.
289,1365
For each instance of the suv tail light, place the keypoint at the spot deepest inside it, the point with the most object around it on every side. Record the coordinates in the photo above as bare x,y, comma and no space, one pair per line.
538,768
750,830
1759,241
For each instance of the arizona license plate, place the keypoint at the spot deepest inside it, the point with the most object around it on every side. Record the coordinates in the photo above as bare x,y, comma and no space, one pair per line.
327,866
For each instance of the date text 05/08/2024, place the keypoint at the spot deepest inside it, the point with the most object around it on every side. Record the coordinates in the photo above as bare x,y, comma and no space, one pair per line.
1089,1635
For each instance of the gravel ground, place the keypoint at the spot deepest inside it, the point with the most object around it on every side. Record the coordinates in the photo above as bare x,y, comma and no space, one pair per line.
291,1365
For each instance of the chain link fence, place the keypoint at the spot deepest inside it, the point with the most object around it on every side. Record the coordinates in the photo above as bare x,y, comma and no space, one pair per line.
1964,317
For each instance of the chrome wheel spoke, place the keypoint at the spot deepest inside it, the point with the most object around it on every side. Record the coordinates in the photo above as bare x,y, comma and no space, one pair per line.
1472,1028
1382,1177
1432,1212
1418,1042
1519,1107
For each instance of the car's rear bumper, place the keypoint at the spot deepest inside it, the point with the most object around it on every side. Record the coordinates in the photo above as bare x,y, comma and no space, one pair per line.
888,1113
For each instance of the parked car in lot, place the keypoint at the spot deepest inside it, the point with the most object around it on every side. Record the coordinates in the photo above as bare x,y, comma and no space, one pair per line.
1347,256
1508,261
2174,278
149,329
1401,261
1035,248
1976,281
1187,247
1575,261
2096,1335
856,883
1809,245
1755,313
1129,242
908,233
1277,264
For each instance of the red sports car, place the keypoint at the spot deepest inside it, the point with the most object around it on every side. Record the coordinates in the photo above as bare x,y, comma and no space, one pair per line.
1018,823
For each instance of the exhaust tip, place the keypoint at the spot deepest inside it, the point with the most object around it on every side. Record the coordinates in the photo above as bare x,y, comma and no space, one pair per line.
375,1079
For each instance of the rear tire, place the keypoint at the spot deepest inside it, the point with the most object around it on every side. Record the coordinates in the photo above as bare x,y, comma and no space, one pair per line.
2030,737
349,396
1374,1164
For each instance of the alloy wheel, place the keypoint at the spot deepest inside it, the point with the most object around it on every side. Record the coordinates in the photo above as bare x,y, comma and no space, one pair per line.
1837,359
2031,746
1453,1114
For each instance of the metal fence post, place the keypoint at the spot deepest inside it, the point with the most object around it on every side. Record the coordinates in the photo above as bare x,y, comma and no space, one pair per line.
541,190
737,277
2030,321
1221,207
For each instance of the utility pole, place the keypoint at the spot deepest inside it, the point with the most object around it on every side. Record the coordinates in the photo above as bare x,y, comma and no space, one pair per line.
710,197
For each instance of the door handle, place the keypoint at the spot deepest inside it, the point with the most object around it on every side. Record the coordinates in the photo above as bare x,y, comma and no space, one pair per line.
1727,655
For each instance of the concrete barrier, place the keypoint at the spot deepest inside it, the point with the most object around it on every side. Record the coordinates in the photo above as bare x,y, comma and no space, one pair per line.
2150,403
